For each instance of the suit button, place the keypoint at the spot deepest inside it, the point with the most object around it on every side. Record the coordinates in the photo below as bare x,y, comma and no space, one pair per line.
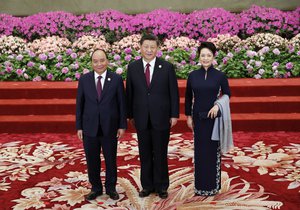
148,94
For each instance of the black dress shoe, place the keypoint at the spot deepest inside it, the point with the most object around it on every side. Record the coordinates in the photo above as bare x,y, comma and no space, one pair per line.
93,195
163,194
145,193
113,195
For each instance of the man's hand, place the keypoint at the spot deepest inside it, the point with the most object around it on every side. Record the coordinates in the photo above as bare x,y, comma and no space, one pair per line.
120,133
80,134
190,122
173,121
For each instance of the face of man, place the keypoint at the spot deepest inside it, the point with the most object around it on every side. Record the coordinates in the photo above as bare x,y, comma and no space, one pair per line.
99,62
149,50
206,57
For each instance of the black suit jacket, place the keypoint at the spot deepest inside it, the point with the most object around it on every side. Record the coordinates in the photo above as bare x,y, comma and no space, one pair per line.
109,112
160,101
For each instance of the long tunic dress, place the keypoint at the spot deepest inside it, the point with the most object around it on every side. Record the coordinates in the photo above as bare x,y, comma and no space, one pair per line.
202,91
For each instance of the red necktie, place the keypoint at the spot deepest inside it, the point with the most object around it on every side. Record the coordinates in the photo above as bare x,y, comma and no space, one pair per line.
99,87
147,74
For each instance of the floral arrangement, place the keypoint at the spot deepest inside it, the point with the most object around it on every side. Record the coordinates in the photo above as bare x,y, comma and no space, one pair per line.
49,44
132,42
261,19
86,44
179,42
204,24
11,44
261,40
295,41
114,25
225,42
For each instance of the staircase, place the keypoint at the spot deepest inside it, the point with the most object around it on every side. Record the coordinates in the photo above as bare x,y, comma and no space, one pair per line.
256,105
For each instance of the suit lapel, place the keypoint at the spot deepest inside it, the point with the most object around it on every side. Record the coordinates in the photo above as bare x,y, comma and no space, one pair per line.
107,84
141,72
156,70
93,85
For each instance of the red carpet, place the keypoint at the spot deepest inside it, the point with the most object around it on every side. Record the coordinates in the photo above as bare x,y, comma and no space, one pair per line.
47,171
256,105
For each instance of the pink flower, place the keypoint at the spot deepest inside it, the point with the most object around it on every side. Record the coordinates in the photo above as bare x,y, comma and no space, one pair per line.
289,65
19,72
276,51
77,75
119,70
85,71
37,79
68,79
49,76
65,70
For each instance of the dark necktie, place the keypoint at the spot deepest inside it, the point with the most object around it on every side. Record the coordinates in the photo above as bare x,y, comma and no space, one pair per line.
99,87
147,74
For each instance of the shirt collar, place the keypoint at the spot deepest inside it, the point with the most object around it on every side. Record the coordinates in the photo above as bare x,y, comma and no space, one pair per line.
103,74
152,63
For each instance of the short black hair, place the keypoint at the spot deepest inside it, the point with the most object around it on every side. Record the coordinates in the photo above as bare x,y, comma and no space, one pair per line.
151,37
98,50
208,45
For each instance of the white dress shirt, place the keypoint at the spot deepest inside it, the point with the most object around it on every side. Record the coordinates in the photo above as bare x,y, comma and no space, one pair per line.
96,75
152,63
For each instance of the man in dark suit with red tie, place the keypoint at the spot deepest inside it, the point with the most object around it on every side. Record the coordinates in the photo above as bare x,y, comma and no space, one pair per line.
100,121
153,108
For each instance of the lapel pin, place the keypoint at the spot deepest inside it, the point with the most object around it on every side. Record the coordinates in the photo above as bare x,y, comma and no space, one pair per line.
160,66
108,79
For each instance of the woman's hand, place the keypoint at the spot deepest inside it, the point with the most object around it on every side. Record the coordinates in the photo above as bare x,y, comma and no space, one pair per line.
213,112
190,122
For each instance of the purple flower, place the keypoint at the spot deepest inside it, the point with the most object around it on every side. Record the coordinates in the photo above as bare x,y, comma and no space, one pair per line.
8,69
167,57
19,57
51,55
298,53
65,70
77,75
275,64
58,65
193,55
127,57
287,75
265,49
30,64
43,57
49,76
257,76
37,79
261,71
68,79
258,63
59,57
193,63
19,72
119,70
183,62
31,54
159,53
225,59
276,51
85,71
251,53
73,55
137,57
128,50
245,62
75,66
237,50
69,51
42,67
117,57
289,65
230,55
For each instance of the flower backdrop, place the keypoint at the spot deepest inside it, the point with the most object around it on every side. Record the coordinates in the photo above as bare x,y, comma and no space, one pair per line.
259,42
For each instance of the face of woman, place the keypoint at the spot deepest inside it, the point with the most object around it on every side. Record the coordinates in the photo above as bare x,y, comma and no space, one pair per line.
206,58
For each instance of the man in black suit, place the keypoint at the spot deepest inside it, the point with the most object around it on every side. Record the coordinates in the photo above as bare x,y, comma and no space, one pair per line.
100,121
153,108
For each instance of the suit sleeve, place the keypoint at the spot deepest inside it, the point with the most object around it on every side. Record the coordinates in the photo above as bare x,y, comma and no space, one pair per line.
225,86
122,104
188,97
79,105
129,93
174,95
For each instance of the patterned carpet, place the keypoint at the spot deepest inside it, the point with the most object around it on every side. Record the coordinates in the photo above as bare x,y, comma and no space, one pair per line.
48,171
